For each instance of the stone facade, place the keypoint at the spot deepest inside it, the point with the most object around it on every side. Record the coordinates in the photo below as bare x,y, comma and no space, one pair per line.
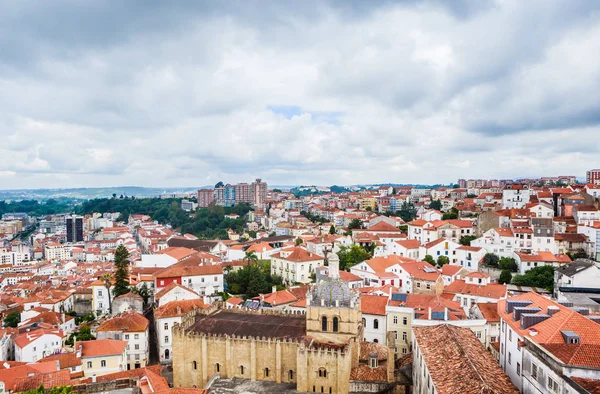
318,350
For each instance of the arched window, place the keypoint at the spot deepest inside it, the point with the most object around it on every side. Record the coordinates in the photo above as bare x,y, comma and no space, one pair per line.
335,324
324,323
166,354
241,369
364,322
266,372
194,365
376,324
218,367
330,391
322,389
291,374
376,340
322,373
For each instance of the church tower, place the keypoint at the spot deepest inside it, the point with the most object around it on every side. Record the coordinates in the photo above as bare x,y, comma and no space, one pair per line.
332,309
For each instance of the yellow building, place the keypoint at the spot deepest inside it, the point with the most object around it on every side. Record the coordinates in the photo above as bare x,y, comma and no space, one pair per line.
102,356
319,351
368,202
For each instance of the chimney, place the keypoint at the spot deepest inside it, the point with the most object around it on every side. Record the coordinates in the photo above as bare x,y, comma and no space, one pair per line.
429,314
446,313
6,365
273,289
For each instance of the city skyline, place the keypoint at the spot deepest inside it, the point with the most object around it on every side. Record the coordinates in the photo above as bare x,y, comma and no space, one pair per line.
336,92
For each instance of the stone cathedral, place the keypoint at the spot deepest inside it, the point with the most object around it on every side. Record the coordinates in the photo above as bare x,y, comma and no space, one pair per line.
320,351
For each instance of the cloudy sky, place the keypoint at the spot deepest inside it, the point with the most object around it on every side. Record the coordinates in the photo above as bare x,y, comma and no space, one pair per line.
104,93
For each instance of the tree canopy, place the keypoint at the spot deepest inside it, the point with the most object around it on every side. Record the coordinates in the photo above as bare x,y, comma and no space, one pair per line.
490,260
121,276
542,276
505,277
466,239
436,204
407,211
252,280
443,260
12,319
54,390
351,255
508,263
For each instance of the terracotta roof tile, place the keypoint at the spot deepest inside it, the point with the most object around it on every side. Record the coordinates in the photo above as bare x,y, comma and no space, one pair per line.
458,362
373,304
102,347
127,322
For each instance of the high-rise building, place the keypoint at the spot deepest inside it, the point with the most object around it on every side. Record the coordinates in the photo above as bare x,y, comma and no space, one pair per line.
230,195
259,193
206,197
74,229
220,195
593,176
243,193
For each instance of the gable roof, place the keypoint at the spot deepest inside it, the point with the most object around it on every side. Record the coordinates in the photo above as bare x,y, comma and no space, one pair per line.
178,308
373,304
127,322
170,287
102,347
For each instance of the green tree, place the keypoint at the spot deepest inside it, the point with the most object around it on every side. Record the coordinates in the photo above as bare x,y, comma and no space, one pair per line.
490,260
54,390
466,239
332,229
407,211
505,277
542,276
351,255
298,241
429,259
450,215
354,224
370,249
443,260
83,334
369,209
108,282
143,291
121,271
250,257
578,254
508,263
12,319
436,204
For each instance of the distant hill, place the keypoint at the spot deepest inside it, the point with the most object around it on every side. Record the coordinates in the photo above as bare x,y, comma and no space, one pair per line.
89,193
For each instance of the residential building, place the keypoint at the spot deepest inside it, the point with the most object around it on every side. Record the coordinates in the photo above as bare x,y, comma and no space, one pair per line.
374,319
206,197
133,328
450,360
296,264
165,317
33,345
515,196
204,279
593,177
532,321
74,228
489,312
525,262
102,356
582,275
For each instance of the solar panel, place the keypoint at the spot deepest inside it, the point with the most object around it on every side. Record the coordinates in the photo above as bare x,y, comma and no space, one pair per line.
399,296
437,315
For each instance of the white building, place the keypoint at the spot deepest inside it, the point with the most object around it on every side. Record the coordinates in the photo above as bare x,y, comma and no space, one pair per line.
515,196
295,265
36,344
133,328
373,308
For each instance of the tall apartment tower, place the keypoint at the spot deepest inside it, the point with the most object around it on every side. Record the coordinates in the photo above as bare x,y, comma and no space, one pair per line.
259,193
205,197
243,193
74,228
593,176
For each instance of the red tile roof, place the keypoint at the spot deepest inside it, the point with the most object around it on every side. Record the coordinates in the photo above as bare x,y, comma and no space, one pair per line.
102,347
490,291
373,304
458,363
127,322
178,308
489,311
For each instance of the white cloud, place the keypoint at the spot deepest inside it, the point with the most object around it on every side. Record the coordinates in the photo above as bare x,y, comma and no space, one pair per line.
391,93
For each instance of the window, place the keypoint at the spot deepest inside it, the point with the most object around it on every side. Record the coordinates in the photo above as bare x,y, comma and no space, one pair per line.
552,385
218,367
266,372
419,285
395,319
395,334
194,365
136,336
324,323
291,375
166,339
322,373
405,320
89,364
376,324
166,326
137,356
99,293
428,286
534,371
126,337
404,336
241,369
137,347
509,358
519,369
335,324
103,363
479,334
510,335
404,350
